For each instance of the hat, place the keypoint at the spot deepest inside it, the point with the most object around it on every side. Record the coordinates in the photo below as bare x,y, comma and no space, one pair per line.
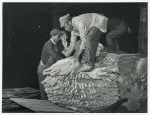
55,32
63,19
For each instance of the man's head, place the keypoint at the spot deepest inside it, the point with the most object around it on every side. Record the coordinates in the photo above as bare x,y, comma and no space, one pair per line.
64,36
65,22
55,35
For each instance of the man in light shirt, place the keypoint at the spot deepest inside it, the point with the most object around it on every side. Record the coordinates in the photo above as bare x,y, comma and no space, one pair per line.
89,27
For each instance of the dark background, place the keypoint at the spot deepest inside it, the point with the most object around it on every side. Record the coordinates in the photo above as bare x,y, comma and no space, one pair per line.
26,28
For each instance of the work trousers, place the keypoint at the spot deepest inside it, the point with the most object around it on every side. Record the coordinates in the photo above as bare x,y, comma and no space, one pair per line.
91,44
41,77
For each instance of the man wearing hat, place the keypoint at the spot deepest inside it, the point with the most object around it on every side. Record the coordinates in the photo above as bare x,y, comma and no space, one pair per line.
89,27
49,56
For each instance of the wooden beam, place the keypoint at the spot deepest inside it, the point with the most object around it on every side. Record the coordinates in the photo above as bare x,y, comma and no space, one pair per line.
55,17
142,38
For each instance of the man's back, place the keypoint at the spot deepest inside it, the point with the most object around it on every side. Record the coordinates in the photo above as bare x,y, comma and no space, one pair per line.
48,46
50,50
83,23
113,22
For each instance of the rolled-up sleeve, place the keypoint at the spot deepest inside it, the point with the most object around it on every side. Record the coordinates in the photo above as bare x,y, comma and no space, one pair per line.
73,40
72,43
83,33
83,44
82,29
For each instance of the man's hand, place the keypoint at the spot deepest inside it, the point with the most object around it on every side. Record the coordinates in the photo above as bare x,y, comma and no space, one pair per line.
68,55
63,52
129,30
76,60
80,56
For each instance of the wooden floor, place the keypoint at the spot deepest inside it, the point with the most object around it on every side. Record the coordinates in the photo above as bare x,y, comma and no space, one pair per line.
43,106
119,109
20,110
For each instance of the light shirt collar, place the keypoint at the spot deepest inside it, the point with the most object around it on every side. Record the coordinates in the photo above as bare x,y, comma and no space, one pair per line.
53,42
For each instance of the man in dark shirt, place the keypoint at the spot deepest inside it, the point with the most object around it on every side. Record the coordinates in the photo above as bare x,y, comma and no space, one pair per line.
117,28
50,55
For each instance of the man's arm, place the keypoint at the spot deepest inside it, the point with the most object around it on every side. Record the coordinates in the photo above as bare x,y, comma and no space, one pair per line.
82,31
72,44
